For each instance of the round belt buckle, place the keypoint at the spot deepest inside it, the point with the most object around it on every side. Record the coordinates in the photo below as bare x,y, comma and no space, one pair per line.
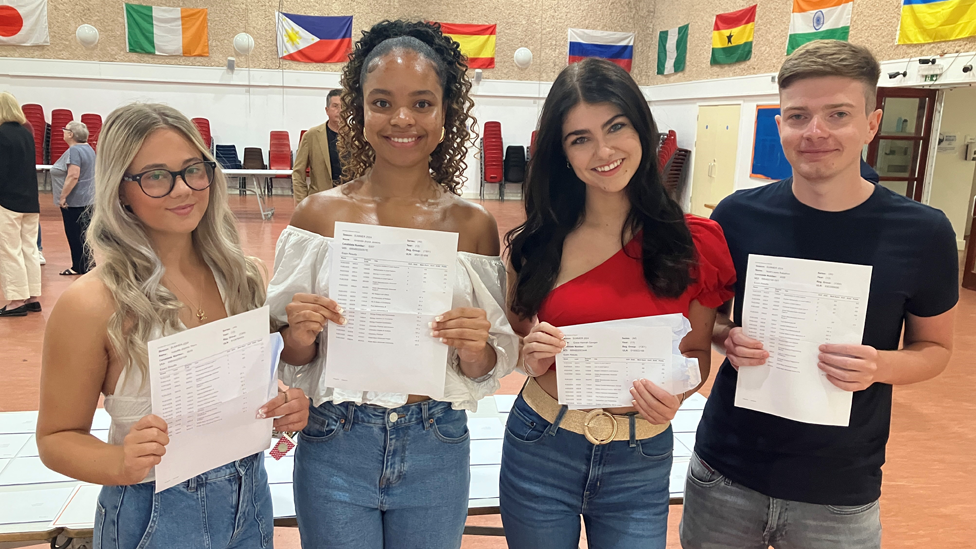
586,427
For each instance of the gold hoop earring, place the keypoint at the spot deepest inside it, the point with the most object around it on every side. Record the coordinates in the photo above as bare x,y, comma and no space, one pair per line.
443,133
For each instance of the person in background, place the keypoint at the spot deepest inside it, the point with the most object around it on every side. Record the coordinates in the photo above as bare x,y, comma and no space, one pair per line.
868,173
317,152
73,185
757,479
20,266
40,246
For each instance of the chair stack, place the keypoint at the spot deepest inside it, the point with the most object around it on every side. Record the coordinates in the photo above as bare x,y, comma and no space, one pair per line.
279,154
532,143
59,119
492,153
668,147
203,126
35,115
227,157
94,124
254,159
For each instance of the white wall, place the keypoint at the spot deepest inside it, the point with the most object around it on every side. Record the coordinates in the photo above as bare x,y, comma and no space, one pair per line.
952,180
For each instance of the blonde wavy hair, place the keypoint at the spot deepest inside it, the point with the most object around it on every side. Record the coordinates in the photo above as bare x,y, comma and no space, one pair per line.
127,263
10,110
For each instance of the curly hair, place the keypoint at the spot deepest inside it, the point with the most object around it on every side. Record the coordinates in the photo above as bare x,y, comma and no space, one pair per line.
447,162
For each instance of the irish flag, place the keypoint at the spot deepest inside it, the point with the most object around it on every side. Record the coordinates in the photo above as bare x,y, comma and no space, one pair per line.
732,36
477,43
166,31
819,20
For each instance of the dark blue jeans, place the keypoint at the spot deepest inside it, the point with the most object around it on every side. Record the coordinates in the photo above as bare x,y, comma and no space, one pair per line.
368,477
550,477
224,508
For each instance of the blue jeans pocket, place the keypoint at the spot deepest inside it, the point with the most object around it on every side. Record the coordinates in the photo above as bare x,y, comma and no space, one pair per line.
703,474
848,510
524,424
99,525
322,424
657,448
451,426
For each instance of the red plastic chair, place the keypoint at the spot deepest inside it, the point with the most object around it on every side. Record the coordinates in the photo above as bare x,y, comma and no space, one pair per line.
35,116
203,126
279,153
94,124
59,119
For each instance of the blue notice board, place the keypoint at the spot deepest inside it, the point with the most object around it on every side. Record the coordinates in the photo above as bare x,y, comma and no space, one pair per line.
768,160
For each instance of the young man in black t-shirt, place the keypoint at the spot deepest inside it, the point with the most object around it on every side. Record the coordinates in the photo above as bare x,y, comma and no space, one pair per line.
757,479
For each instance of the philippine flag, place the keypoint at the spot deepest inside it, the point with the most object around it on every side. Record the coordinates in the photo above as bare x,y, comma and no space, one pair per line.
314,39
616,47
23,23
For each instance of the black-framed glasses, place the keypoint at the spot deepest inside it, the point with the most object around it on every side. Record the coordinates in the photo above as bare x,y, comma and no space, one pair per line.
159,182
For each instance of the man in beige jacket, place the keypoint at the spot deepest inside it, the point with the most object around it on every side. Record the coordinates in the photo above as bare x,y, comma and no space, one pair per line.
317,151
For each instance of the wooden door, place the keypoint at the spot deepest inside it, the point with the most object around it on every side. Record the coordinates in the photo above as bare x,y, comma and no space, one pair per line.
716,144
900,149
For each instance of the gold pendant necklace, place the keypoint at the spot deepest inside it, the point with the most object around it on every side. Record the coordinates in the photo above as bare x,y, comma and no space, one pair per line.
200,314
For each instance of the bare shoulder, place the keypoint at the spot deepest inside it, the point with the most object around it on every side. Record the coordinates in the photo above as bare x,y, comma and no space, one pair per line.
86,305
319,212
479,231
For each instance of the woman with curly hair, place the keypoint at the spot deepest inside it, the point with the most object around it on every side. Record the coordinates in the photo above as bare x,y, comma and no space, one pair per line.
381,470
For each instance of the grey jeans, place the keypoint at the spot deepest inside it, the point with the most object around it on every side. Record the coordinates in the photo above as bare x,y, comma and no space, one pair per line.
719,514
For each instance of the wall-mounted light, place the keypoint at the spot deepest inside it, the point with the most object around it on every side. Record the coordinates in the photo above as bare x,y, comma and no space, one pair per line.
523,58
87,35
243,43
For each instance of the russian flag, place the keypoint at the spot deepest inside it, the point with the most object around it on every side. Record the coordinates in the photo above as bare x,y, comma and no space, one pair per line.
314,39
616,47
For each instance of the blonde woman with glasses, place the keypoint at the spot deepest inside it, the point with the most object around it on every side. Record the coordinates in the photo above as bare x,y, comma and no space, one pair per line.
169,259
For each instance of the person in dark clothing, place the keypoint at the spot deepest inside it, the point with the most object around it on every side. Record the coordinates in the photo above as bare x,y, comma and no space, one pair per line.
867,172
334,105
20,266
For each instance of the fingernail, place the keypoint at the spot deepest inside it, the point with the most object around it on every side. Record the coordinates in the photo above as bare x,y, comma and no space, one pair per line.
443,340
439,318
342,321
260,414
430,324
340,310
433,334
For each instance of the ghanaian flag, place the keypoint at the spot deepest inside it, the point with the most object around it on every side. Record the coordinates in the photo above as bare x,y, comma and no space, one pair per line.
477,43
732,36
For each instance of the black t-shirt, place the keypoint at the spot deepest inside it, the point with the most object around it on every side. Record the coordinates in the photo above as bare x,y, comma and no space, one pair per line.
18,173
336,168
912,248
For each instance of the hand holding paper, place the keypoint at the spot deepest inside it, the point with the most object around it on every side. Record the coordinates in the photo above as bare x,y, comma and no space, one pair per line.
849,367
742,350
654,403
142,449
307,316
541,346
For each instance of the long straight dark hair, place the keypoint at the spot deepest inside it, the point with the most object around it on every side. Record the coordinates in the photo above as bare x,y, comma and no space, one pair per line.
555,197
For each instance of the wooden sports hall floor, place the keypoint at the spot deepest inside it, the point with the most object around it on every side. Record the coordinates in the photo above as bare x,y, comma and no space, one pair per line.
928,501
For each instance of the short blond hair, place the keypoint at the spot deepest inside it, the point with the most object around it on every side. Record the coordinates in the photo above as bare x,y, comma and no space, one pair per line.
10,110
822,58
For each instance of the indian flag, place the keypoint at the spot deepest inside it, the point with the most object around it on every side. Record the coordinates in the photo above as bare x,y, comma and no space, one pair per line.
732,36
166,31
819,20
477,43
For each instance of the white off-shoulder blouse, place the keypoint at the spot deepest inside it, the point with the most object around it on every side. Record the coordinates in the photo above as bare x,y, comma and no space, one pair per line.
302,265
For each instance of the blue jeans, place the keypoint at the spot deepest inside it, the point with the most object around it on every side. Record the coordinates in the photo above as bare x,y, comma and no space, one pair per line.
227,507
368,477
719,514
551,476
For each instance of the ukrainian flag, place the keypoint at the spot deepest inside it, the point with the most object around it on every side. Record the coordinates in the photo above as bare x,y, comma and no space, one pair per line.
924,21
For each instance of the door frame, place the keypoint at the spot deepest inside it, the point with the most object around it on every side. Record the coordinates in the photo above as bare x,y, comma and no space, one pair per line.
916,181
969,263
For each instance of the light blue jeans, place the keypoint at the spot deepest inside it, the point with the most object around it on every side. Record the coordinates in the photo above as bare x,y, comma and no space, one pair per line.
225,508
550,477
719,514
368,477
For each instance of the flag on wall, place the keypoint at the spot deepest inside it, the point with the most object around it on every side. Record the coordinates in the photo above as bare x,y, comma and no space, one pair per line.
166,31
23,23
672,49
616,47
819,20
732,36
925,21
314,39
477,43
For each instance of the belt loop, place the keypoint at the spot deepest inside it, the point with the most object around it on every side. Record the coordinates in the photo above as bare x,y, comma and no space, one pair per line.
551,431
191,485
425,412
632,419
350,410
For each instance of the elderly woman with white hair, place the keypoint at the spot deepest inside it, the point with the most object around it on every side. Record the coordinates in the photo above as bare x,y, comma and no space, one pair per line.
73,177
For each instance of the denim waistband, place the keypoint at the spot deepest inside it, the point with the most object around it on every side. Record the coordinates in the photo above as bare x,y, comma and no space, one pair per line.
402,416
240,467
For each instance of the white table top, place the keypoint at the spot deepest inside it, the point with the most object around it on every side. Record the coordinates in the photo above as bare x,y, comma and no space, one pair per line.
240,173
45,500
43,167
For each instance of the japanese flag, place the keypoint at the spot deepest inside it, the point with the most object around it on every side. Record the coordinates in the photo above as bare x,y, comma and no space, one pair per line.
23,23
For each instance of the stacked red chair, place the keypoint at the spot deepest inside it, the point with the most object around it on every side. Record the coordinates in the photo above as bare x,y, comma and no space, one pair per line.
532,143
668,147
35,116
59,119
203,126
308,170
279,154
94,124
492,153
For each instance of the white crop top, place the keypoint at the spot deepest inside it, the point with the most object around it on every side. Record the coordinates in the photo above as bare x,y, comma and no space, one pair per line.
302,265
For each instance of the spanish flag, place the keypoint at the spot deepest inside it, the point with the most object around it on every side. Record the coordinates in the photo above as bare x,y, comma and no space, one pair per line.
477,43
924,21
732,36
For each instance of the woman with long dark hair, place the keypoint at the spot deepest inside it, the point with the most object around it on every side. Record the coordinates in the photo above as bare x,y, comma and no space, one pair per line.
379,470
601,241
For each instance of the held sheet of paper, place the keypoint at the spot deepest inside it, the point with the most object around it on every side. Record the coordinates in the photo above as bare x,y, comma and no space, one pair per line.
207,384
391,283
793,306
601,360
